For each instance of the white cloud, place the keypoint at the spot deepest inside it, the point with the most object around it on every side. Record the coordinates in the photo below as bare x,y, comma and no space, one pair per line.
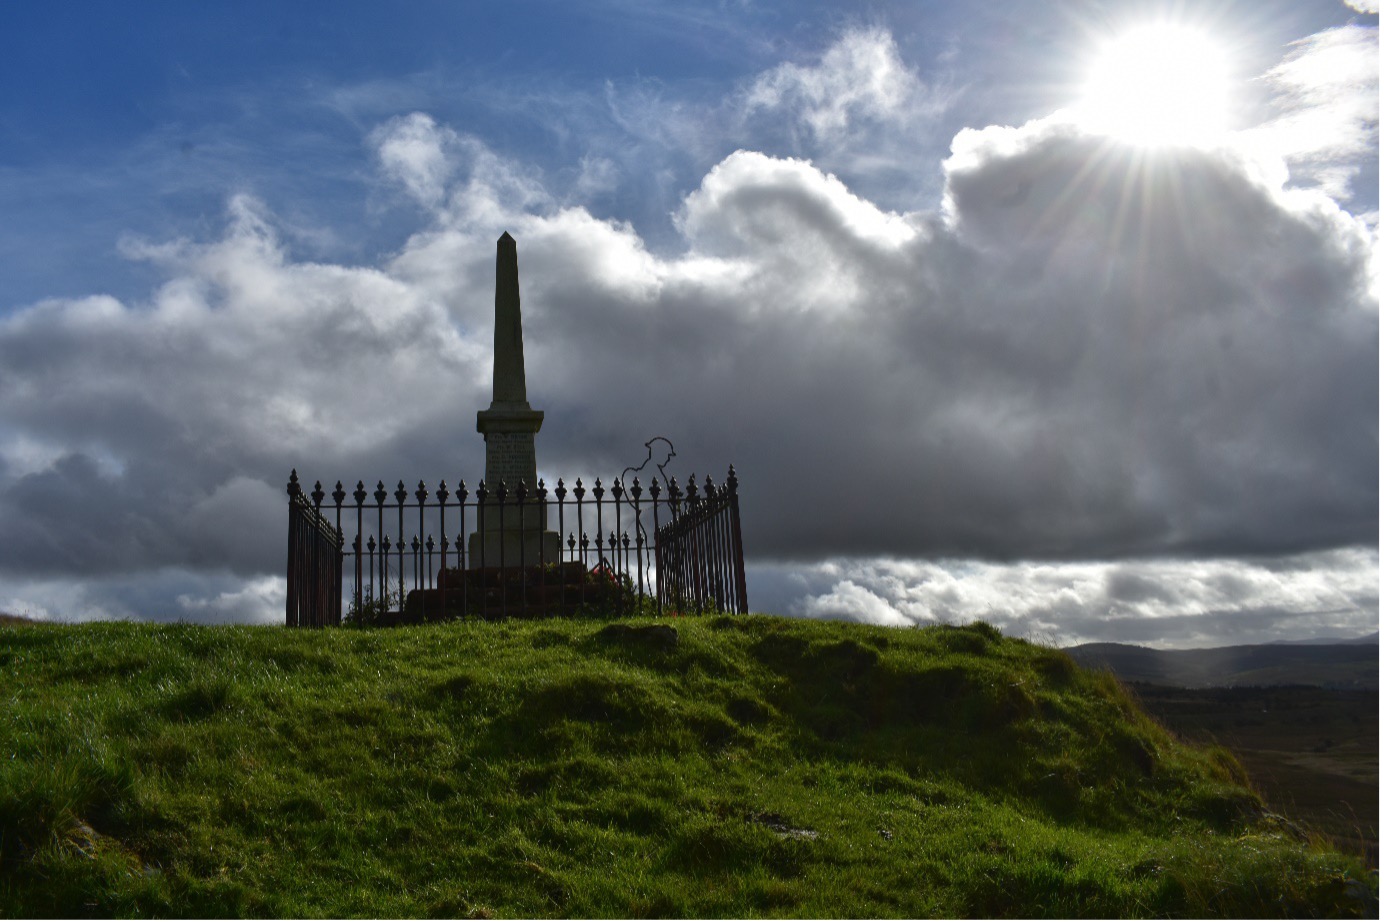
860,76
596,176
207,595
168,422
55,605
1064,369
849,601
752,200
423,156
1327,91
1089,353
1159,603
858,111
413,151
260,601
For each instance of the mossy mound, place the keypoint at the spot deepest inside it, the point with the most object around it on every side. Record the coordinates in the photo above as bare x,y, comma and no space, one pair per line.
718,766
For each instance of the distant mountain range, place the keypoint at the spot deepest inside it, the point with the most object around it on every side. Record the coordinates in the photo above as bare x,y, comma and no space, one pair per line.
1325,664
1368,638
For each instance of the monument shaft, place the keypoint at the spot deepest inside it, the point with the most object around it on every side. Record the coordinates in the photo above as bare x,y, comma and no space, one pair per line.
508,388
508,536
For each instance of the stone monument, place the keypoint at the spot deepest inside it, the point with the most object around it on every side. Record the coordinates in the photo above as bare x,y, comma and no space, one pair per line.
504,537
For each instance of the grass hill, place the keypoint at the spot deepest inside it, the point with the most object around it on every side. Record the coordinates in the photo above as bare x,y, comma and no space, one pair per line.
722,766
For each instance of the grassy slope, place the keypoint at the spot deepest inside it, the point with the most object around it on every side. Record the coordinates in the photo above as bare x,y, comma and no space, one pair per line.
763,766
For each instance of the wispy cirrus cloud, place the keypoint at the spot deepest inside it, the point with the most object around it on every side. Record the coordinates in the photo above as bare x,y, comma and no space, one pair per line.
413,150
860,77
1327,93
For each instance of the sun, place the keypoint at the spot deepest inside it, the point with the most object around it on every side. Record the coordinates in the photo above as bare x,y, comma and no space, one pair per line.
1158,84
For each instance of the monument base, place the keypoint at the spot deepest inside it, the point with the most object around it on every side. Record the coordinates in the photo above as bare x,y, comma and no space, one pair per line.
513,548
513,536
530,592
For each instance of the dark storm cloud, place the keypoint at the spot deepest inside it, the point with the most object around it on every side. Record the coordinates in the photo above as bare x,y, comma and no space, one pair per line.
161,434
1087,354
1094,352
1103,353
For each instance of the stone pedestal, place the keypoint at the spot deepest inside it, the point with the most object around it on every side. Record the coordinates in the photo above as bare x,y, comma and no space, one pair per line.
507,535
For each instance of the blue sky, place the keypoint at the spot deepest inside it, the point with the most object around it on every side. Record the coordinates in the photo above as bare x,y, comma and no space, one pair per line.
143,124
1130,384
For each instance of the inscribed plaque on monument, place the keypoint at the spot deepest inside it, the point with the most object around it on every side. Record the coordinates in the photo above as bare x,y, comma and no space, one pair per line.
509,457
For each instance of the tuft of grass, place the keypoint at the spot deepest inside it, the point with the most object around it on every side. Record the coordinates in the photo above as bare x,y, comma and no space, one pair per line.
739,766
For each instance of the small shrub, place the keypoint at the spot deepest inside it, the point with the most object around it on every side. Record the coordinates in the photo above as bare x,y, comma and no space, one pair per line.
367,610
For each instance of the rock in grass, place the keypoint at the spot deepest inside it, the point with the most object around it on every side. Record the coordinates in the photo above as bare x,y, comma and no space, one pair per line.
649,636
782,828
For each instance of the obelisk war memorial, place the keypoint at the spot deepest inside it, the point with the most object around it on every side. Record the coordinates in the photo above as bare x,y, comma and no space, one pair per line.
505,538
620,548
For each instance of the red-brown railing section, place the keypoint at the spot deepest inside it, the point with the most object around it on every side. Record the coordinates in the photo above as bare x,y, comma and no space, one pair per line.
700,561
314,562
624,550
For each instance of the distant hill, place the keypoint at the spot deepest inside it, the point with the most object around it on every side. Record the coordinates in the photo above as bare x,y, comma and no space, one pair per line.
1368,638
1325,665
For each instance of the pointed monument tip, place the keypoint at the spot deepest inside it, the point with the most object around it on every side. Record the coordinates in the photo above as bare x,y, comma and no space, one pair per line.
505,236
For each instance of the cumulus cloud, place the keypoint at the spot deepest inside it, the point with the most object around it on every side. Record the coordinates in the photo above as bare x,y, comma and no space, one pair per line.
1100,353
1212,602
246,605
1085,353
172,421
1064,365
209,595
849,601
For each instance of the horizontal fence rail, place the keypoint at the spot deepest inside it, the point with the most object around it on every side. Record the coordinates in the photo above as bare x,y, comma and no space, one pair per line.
408,556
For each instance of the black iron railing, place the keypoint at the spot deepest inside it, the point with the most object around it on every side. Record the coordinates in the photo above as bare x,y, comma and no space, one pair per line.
700,560
406,556
314,563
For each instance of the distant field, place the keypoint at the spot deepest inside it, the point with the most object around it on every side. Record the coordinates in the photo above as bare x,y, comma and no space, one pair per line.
707,767
1302,718
1326,665
1313,753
